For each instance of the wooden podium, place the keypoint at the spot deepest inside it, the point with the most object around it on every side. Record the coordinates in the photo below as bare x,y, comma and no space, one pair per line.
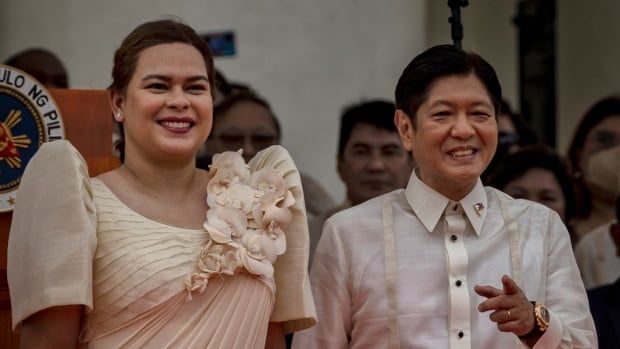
88,125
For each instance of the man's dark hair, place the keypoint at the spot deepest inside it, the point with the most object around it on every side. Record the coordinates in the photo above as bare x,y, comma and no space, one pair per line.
438,62
379,114
239,96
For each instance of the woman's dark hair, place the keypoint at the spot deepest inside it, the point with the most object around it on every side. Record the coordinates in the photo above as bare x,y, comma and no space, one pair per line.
598,112
540,156
438,62
149,34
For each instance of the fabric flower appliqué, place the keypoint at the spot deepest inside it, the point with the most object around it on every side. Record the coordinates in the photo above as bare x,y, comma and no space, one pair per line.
247,215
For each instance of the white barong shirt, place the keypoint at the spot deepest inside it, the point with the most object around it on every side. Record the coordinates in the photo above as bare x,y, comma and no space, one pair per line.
442,250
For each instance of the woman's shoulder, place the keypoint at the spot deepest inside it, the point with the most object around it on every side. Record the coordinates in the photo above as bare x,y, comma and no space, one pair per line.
60,150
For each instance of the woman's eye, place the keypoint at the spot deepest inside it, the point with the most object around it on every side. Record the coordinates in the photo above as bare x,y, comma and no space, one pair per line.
197,88
156,86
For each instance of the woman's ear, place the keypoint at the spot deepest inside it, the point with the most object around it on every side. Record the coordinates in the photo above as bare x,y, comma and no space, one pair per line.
117,102
405,128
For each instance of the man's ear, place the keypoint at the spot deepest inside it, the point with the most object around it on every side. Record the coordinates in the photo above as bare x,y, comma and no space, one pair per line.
339,166
405,128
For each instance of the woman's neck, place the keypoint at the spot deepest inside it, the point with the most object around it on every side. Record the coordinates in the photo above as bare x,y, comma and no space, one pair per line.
159,177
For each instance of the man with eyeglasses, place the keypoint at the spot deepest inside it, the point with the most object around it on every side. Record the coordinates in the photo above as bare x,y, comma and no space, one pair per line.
244,120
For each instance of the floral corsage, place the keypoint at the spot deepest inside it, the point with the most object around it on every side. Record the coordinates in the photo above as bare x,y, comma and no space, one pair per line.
247,215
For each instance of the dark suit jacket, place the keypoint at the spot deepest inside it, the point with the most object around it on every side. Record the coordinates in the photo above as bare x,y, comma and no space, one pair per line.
605,308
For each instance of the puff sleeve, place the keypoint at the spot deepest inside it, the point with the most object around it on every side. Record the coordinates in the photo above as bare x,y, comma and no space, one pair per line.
52,239
294,305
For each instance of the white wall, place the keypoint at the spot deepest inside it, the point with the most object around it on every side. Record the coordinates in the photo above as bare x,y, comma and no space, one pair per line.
588,59
588,50
308,58
488,31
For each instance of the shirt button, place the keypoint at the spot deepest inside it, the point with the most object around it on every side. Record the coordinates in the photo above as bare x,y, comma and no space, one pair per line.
453,238
461,334
458,283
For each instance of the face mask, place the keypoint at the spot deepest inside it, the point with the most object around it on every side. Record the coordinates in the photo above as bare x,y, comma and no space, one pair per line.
604,170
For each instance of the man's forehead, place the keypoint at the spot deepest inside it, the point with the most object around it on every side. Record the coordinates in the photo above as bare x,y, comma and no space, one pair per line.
364,134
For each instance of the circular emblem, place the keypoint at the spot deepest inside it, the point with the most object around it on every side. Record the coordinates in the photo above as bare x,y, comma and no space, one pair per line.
29,117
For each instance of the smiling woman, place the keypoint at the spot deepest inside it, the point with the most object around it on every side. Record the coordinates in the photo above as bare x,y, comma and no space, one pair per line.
130,258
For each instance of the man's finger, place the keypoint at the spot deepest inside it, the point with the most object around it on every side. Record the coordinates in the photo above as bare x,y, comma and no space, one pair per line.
510,287
488,291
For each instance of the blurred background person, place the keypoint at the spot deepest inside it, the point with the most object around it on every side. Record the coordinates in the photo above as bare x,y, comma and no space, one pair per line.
605,300
596,252
537,173
244,120
42,65
599,129
514,132
371,160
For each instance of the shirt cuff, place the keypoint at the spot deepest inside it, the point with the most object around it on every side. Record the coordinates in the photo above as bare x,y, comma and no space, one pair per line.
552,336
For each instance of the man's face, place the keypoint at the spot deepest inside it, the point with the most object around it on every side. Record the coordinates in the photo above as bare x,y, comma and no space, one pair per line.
246,125
455,135
373,163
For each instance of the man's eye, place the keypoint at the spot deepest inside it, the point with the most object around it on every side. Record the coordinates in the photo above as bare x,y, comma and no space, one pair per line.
441,113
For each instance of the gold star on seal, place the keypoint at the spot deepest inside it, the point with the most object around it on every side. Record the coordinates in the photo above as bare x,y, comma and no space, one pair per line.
11,201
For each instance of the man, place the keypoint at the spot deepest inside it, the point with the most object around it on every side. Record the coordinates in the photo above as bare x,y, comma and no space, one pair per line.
244,120
371,160
605,300
429,266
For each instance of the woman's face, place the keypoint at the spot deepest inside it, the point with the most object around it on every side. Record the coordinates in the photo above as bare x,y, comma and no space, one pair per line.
604,135
539,185
455,135
167,108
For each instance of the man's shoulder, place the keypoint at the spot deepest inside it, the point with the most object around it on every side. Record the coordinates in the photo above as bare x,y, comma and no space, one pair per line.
371,206
366,214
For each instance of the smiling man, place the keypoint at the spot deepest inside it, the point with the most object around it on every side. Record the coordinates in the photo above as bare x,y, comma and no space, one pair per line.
446,262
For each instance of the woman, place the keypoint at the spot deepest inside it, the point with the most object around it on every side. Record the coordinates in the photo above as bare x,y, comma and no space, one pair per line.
124,260
599,129
538,174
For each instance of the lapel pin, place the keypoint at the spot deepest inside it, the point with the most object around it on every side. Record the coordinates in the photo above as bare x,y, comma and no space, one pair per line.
478,206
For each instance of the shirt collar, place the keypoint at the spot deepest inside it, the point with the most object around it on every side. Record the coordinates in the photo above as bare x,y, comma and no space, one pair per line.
429,205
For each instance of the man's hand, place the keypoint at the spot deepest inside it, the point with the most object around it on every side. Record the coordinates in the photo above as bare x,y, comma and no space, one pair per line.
512,311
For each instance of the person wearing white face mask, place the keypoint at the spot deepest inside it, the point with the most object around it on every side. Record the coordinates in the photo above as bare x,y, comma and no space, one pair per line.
595,252
447,262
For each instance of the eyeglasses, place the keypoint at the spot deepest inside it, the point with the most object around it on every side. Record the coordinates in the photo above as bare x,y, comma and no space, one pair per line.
505,138
257,140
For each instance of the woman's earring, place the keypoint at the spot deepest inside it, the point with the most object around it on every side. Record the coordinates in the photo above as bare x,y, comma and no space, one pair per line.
118,116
